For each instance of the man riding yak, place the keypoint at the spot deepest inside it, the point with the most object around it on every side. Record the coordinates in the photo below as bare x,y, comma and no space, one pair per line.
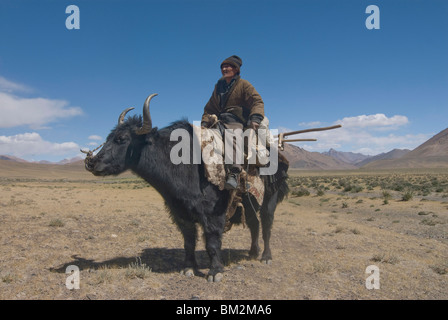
134,144
237,105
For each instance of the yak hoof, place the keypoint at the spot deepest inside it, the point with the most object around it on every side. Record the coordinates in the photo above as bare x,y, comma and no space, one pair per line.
267,261
216,278
188,272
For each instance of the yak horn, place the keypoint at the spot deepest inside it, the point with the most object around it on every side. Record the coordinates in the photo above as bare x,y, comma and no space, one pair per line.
123,114
147,123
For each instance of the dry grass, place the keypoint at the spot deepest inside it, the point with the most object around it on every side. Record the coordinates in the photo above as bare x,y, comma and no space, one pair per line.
118,233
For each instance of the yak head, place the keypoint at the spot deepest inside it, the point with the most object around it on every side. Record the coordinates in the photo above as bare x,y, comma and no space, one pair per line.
123,145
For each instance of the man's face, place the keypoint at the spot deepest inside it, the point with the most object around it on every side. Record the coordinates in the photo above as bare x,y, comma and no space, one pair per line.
228,71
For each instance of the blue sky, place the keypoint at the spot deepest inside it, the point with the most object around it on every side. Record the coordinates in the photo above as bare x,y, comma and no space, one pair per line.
314,63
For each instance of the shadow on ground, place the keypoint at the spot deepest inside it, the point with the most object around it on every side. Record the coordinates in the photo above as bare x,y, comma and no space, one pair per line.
160,260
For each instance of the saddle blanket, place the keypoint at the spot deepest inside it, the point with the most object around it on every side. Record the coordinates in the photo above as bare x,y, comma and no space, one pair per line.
212,151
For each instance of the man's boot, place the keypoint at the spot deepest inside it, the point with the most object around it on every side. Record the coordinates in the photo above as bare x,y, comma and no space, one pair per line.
233,177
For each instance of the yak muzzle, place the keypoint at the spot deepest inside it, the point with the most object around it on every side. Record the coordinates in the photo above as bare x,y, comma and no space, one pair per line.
88,161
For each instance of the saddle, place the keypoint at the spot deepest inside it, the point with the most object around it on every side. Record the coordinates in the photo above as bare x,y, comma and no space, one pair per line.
212,151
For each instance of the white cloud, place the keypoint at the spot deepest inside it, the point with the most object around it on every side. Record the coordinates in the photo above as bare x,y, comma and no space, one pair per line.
310,124
95,137
283,129
378,120
32,144
9,86
34,112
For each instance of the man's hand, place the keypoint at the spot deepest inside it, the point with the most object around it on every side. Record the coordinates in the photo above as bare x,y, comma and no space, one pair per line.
209,120
254,125
254,121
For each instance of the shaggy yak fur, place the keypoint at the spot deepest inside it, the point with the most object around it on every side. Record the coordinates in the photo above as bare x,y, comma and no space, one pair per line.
189,196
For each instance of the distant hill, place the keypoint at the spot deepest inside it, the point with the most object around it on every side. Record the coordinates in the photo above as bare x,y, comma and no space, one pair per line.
359,159
71,160
437,146
65,161
394,154
431,154
11,158
15,169
348,157
302,159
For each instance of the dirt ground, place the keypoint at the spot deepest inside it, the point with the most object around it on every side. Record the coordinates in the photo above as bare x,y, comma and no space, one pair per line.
119,235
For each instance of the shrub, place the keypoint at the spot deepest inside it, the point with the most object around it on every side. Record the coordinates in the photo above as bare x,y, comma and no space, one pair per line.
300,192
386,195
441,268
386,258
408,195
56,223
138,270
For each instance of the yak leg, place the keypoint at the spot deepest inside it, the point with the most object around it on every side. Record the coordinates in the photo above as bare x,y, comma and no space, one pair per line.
254,225
189,232
267,219
213,246
213,234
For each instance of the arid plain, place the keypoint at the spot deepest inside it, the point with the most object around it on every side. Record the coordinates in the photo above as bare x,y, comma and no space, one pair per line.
333,225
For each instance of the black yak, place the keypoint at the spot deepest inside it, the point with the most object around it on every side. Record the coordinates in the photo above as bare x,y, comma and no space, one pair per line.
191,199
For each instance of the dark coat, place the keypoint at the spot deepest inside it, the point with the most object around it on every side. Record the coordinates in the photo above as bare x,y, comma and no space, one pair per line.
243,101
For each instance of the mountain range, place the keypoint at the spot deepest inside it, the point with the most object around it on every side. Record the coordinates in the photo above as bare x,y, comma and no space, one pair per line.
65,161
360,160
431,154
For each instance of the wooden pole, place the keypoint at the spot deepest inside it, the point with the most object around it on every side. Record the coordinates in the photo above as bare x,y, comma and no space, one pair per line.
308,130
281,136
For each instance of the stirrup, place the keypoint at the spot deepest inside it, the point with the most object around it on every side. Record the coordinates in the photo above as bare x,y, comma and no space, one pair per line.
232,181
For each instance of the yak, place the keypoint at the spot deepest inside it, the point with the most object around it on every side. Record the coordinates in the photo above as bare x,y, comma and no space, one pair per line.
189,197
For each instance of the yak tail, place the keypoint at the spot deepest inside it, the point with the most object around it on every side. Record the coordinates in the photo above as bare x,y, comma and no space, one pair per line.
283,191
278,181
